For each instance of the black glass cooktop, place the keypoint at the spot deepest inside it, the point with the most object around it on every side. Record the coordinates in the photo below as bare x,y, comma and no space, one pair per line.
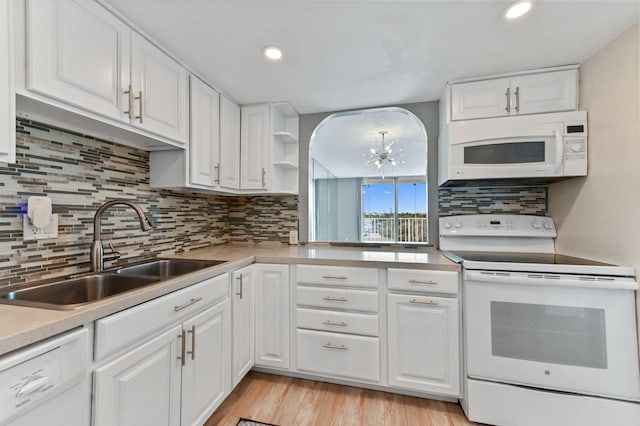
540,258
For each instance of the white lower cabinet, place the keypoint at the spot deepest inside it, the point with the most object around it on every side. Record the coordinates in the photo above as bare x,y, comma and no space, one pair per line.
141,387
178,377
272,324
243,323
206,377
337,354
423,342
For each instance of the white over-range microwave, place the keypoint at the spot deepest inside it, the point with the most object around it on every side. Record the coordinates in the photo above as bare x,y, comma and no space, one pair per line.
536,148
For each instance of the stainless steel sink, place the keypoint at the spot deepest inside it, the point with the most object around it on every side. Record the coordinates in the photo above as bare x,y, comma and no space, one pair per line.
167,268
73,293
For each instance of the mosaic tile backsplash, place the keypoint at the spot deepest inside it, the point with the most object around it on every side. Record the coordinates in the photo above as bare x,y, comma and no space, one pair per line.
483,200
80,173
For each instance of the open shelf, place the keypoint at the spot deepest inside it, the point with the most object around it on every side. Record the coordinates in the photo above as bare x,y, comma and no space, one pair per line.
285,137
285,164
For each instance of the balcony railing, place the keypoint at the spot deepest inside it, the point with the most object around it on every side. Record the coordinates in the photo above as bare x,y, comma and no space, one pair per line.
410,229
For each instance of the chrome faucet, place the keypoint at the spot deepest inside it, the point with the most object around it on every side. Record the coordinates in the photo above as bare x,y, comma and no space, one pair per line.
97,254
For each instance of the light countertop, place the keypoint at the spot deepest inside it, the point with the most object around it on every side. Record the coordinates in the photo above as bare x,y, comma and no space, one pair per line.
21,326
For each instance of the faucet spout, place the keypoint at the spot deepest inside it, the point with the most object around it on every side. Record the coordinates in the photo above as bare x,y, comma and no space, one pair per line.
97,250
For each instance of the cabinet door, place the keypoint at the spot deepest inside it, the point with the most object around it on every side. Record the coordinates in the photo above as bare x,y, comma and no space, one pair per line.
243,323
545,92
272,315
480,99
255,143
204,135
423,343
229,144
7,88
160,91
206,378
141,387
78,53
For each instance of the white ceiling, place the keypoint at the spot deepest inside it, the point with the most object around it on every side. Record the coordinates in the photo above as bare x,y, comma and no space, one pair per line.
355,54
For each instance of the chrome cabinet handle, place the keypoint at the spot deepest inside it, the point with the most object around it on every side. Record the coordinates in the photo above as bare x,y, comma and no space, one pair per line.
192,352
508,95
334,277
517,93
183,350
186,305
217,169
341,347
239,293
428,282
340,324
129,92
139,99
334,299
264,172
419,302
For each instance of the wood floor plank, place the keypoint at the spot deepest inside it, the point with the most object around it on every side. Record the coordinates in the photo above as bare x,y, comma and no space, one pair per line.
286,401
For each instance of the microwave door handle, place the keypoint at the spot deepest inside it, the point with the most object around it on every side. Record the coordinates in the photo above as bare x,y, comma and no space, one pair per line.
559,151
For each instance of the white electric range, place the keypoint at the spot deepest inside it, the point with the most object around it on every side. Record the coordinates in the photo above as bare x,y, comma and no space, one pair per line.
549,339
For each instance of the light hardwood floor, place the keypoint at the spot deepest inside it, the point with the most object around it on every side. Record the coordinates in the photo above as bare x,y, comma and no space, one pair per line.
286,401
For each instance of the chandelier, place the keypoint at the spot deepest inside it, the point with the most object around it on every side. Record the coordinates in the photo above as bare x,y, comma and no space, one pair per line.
383,157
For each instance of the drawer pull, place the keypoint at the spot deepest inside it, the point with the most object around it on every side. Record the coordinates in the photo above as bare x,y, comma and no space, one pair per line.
186,305
419,302
334,299
330,346
339,324
334,277
414,281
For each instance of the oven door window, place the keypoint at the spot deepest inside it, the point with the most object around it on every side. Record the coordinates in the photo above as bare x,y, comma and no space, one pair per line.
565,335
506,153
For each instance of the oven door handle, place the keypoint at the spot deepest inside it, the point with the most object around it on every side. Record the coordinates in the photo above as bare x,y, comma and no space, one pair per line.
547,280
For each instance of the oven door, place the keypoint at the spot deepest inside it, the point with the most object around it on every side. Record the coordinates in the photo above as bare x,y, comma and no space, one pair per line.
550,332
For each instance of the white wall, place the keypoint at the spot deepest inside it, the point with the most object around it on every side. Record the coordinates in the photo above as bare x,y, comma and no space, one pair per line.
598,216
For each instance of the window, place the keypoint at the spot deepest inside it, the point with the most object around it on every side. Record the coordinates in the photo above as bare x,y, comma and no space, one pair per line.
351,199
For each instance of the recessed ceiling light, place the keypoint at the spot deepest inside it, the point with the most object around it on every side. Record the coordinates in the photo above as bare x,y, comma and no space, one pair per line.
272,52
517,9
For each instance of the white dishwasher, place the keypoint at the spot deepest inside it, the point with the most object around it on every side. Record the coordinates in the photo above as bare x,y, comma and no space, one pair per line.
47,382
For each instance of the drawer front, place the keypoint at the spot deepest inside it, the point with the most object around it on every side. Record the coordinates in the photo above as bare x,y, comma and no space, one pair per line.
338,298
338,276
341,355
117,331
422,281
340,322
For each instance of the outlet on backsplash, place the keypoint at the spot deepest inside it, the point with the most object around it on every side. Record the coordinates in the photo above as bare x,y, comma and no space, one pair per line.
31,232
293,237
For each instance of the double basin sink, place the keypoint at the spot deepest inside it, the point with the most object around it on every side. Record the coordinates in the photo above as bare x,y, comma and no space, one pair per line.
76,292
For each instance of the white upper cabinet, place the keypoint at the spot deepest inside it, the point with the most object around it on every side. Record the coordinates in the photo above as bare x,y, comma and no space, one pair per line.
269,148
79,54
254,148
524,93
76,53
7,90
204,138
229,169
159,85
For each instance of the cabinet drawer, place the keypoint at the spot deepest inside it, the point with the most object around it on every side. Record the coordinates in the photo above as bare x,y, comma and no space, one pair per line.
338,298
117,331
342,355
340,322
422,281
338,276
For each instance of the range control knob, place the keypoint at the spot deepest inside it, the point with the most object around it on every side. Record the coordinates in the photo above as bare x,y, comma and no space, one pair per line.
547,225
447,225
458,225
536,225
576,147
